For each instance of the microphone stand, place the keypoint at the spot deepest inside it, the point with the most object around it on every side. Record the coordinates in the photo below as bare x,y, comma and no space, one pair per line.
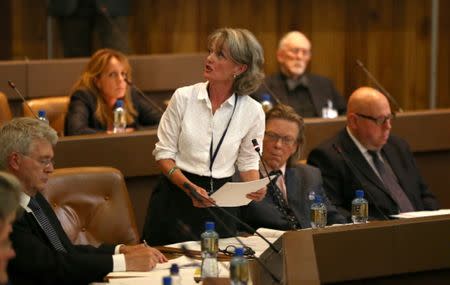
154,105
13,86
389,96
229,231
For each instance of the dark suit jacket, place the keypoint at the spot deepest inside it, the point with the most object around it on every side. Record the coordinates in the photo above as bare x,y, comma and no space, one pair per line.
37,262
300,181
88,7
81,118
320,89
342,178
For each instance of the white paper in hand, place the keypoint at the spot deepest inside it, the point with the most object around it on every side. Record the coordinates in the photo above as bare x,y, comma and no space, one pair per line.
233,194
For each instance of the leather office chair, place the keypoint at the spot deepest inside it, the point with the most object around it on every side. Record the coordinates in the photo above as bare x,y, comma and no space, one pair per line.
93,205
55,107
5,111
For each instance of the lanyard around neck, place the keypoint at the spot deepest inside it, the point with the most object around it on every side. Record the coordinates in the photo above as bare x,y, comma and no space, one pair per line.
212,156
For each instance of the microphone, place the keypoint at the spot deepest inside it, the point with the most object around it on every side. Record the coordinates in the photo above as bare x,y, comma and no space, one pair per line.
196,196
13,86
258,150
271,93
379,86
154,105
359,180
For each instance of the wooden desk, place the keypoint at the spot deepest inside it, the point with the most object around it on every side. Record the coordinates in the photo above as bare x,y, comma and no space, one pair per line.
428,133
386,251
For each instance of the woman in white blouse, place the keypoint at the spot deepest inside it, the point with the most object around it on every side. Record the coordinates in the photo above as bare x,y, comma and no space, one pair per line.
204,134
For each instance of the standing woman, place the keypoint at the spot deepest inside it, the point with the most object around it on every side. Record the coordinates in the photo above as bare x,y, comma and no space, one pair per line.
204,133
94,96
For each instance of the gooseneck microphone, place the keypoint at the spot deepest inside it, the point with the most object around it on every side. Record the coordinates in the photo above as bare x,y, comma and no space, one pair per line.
271,93
13,86
132,85
200,199
355,172
379,86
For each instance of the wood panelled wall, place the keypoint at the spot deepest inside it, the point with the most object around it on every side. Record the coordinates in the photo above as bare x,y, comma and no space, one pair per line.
392,37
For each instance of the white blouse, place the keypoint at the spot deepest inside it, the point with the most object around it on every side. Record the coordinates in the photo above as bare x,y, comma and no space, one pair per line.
188,124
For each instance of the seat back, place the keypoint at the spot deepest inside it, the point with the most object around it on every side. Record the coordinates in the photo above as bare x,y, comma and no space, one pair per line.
93,205
55,107
5,111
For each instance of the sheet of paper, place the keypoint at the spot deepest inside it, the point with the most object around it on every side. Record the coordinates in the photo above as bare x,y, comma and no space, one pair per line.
233,194
419,214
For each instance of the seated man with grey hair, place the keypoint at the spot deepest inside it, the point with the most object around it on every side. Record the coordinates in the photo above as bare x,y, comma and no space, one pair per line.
307,93
44,253
9,205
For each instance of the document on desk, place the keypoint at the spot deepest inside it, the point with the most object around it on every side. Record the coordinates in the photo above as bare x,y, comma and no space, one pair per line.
419,214
233,194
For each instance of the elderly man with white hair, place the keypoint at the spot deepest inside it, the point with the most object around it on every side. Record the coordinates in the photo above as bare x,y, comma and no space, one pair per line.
307,93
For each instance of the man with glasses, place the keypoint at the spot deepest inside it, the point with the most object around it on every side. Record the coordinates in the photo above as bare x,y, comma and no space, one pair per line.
366,156
44,253
307,93
287,203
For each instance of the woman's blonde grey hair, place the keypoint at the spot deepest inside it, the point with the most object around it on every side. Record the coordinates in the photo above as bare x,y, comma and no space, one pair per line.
10,188
244,49
18,134
287,113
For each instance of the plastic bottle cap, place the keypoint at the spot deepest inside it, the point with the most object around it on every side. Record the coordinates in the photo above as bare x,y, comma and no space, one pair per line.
174,269
318,199
167,280
239,251
359,193
210,226
119,103
41,113
265,97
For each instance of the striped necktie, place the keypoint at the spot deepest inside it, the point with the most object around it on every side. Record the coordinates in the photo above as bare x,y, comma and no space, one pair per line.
46,225
391,183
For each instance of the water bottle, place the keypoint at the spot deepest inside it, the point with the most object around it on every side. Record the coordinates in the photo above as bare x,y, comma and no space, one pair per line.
42,116
210,247
360,208
266,102
328,111
167,280
175,274
239,268
120,119
318,213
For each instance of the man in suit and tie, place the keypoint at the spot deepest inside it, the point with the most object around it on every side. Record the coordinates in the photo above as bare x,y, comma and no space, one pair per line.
287,205
366,156
44,253
307,93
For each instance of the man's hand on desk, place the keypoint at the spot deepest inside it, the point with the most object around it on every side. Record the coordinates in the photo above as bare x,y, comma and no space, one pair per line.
141,257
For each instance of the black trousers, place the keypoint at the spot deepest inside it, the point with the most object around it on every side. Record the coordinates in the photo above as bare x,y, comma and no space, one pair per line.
172,218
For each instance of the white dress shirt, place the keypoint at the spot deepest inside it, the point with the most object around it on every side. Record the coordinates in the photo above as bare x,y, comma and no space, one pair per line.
188,124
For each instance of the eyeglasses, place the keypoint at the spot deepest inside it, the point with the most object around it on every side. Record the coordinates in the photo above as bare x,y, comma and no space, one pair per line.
44,162
298,50
231,249
380,120
273,137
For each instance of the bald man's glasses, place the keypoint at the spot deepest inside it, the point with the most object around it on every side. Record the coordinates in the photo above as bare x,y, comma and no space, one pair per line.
380,120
